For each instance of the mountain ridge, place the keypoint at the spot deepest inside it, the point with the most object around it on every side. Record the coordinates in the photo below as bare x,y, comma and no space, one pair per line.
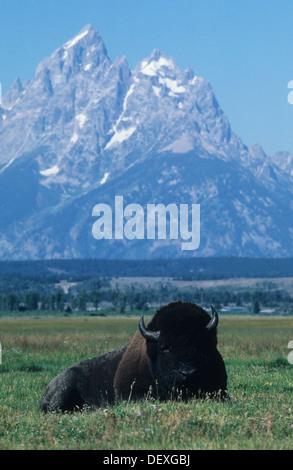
85,129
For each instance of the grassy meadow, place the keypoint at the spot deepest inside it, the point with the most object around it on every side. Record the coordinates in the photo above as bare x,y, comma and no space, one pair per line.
258,416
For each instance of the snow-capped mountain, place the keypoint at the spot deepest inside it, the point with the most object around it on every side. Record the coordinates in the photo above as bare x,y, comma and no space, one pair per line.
86,129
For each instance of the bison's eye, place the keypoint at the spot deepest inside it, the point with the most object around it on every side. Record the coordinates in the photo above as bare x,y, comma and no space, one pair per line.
165,349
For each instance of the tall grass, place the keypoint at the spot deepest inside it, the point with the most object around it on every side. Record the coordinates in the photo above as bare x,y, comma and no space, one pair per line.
259,414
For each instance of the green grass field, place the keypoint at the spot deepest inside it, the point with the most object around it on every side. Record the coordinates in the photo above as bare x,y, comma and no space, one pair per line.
258,416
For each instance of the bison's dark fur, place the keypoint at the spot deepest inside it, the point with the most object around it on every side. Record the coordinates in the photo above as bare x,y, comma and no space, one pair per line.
175,356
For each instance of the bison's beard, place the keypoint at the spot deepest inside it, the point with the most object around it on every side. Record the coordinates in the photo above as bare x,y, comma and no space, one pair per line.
184,383
185,389
178,386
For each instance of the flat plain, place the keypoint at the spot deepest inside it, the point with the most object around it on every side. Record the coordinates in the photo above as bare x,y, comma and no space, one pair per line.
259,414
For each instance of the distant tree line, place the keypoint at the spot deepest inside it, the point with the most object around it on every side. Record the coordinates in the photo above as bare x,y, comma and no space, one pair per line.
192,268
89,294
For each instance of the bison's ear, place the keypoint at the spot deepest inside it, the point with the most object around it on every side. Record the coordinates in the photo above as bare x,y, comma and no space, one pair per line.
148,334
213,323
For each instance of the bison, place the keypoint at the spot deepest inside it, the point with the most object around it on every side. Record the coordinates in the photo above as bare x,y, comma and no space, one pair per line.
174,357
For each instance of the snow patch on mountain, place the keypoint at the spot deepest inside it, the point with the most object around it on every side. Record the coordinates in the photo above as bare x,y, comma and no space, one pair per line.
182,145
54,170
104,179
75,40
120,136
153,67
81,118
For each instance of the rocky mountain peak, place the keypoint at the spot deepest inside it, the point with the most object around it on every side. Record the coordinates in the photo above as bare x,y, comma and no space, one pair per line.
86,129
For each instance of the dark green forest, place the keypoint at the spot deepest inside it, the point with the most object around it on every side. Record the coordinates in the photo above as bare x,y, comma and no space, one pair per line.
93,287
193,268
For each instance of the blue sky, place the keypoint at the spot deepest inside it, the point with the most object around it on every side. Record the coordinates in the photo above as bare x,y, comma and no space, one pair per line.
245,49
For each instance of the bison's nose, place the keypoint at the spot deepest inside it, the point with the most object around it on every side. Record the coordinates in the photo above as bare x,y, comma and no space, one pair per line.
186,372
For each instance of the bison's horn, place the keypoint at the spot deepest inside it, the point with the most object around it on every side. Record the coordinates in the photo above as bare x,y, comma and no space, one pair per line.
213,323
148,334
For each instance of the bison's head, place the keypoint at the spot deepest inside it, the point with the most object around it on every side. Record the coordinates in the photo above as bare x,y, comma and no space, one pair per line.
182,347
